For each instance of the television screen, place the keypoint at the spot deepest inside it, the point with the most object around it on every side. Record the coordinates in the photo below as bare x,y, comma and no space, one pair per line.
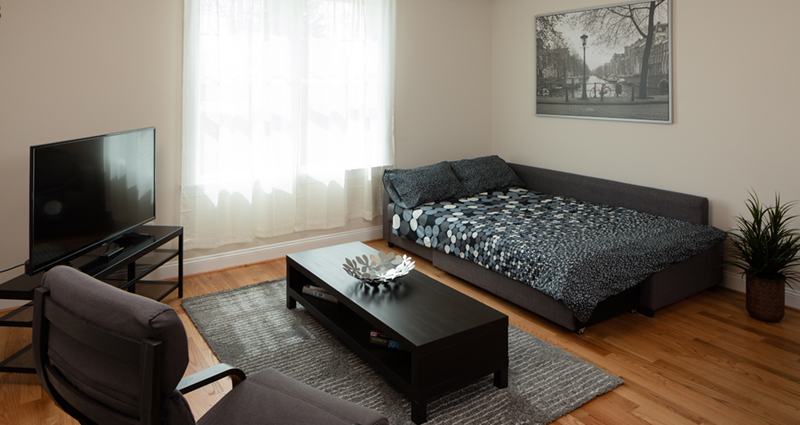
87,192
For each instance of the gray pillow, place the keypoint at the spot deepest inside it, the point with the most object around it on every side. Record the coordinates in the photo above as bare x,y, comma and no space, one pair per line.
409,188
484,174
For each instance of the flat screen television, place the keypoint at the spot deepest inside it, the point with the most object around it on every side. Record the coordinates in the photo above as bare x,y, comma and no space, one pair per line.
88,192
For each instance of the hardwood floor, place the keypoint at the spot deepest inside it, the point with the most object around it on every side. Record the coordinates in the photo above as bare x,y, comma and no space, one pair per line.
701,361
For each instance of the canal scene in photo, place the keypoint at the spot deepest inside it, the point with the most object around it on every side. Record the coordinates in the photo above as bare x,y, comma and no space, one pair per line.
605,63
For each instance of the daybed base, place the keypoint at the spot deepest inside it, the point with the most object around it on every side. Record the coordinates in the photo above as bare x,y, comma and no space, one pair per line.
676,282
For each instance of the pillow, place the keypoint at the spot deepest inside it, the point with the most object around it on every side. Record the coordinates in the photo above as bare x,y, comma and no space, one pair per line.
484,174
415,186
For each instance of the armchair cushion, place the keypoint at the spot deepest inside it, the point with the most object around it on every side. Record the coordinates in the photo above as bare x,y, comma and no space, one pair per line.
110,356
135,317
270,397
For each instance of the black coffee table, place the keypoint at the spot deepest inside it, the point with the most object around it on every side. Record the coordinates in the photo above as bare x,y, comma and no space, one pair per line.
450,339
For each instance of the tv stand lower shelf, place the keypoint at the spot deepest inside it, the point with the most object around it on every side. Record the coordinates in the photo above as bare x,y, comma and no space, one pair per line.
126,269
22,360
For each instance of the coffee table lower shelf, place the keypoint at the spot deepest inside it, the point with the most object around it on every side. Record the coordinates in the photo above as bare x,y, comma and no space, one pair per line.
354,331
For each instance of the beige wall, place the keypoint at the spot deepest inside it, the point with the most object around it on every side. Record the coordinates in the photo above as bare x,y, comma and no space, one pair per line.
443,81
79,68
735,106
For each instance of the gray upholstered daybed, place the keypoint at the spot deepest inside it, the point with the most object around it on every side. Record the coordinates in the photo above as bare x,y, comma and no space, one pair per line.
702,270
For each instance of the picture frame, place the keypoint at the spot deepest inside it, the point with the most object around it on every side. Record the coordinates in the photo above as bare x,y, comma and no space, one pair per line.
609,49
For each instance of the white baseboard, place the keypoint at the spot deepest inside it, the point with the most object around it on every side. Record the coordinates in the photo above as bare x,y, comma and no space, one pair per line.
736,282
262,253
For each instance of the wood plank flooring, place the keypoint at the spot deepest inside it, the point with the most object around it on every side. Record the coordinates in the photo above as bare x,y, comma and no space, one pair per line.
701,361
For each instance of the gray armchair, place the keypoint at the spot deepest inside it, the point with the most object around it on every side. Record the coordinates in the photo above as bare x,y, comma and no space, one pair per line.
106,356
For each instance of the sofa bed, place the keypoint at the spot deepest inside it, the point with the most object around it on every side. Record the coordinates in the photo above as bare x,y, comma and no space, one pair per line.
511,230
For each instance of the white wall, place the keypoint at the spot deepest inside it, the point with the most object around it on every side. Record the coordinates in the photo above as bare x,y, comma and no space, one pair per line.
735,103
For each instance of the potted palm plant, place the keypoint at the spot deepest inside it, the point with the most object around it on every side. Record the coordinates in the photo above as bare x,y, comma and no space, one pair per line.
765,248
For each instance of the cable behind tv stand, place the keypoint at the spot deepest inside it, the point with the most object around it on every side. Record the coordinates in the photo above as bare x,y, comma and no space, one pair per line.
126,269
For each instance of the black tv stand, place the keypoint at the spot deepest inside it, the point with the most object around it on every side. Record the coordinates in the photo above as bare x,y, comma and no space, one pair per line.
127,268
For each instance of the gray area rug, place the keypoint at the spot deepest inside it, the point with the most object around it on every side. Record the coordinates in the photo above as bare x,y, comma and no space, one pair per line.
251,328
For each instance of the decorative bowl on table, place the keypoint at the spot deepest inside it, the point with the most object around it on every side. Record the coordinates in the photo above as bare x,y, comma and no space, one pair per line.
378,269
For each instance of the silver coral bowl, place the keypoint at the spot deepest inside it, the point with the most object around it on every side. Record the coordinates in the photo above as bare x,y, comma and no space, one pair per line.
378,269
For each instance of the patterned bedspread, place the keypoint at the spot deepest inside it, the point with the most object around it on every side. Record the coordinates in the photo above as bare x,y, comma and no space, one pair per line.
576,252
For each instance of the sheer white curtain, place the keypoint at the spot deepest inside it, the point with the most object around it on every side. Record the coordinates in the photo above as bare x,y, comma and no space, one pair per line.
287,115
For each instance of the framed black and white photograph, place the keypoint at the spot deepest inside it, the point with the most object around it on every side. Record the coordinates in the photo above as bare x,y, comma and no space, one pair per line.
609,63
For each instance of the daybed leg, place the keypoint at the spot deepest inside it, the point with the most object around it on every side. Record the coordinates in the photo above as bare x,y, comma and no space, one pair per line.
647,312
581,331
391,245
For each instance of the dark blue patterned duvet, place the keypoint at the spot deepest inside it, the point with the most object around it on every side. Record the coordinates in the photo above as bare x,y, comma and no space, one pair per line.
576,252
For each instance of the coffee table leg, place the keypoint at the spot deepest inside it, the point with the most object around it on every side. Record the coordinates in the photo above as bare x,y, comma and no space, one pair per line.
419,412
290,302
501,378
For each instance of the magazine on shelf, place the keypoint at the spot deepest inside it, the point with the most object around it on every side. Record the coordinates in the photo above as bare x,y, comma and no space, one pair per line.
377,337
316,291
